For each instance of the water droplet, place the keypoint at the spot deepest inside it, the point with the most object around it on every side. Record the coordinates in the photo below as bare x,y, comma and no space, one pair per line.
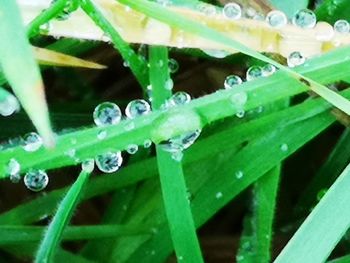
126,64
169,84
304,18
240,113
215,53
268,70
107,113
88,165
180,143
173,65
254,72
239,174
295,59
232,11
218,195
8,105
180,258
32,142
13,169
137,108
342,26
132,148
324,31
15,178
147,143
71,153
239,99
207,9
179,98
321,193
160,63
177,156
284,147
36,180
66,11
44,29
101,135
231,81
276,19
109,162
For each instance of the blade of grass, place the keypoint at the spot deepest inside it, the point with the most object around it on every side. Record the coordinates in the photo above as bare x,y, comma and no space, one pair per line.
136,63
16,53
173,185
64,213
245,254
345,259
330,219
160,13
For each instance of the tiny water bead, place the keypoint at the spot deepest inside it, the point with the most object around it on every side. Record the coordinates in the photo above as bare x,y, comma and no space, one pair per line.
137,108
8,105
239,174
342,26
36,180
231,81
180,143
101,135
276,19
109,162
268,70
295,59
169,84
304,18
232,11
284,147
132,148
218,195
239,99
107,113
177,156
44,29
216,53
179,98
32,142
147,143
173,65
254,72
240,113
88,165
13,169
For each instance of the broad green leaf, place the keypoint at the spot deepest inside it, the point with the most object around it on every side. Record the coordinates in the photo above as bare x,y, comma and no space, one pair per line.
21,71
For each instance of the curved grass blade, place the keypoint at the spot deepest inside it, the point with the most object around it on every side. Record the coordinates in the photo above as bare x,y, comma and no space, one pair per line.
64,213
177,207
160,13
330,219
16,54
345,259
53,58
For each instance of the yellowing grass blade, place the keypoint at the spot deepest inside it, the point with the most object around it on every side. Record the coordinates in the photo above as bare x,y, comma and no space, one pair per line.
21,70
53,58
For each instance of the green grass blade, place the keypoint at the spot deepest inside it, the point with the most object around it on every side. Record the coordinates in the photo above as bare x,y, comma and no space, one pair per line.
177,207
323,228
265,193
65,211
345,259
16,54
136,63
160,13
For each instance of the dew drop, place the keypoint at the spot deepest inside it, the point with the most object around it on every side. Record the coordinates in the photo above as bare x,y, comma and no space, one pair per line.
276,19
109,162
240,113
44,29
36,180
342,26
173,65
8,105
295,59
208,10
232,11
179,98
304,18
88,165
239,174
216,53
147,143
137,108
13,169
132,148
180,143
231,81
218,195
15,178
284,147
169,84
101,135
254,72
107,113
177,156
32,142
268,70
239,99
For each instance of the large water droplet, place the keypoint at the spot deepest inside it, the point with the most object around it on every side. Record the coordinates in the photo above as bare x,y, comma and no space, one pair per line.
44,29
88,165
254,72
231,81
109,162
304,18
276,19
137,108
232,11
107,113
342,26
8,105
239,99
295,59
132,148
36,180
180,143
179,98
32,142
